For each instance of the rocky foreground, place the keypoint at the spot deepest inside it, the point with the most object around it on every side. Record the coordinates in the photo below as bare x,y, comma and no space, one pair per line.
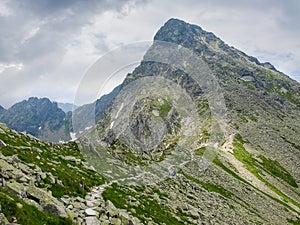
36,186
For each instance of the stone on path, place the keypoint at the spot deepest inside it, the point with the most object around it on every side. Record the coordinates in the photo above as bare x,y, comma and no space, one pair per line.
91,220
90,212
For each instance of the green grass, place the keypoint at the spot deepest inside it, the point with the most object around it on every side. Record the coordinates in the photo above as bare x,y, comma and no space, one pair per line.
295,222
27,214
76,179
164,109
234,174
148,207
164,106
257,169
226,169
209,186
273,167
268,165
200,151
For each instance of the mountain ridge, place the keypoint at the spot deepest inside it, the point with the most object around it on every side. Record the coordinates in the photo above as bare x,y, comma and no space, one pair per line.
262,106
16,117
144,173
39,117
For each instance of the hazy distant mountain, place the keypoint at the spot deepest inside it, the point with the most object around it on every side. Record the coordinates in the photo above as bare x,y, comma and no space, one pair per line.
88,114
2,110
67,107
39,117
52,121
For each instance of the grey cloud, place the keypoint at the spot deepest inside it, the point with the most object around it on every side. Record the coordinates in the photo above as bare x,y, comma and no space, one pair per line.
58,21
39,35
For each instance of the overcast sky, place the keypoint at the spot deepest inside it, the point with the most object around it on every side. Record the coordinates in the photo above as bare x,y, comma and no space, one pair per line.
46,46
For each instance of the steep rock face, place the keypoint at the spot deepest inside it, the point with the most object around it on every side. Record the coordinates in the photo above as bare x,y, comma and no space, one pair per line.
39,117
255,163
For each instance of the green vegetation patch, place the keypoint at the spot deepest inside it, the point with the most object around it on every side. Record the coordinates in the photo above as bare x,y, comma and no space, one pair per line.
268,165
76,179
27,214
164,109
200,151
273,167
295,222
209,186
257,168
144,206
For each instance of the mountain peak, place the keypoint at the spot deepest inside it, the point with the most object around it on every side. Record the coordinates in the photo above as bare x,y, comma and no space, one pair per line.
175,21
180,32
204,43
39,117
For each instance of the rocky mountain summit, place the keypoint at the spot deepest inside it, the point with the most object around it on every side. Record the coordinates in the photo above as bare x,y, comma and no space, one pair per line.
253,148
38,117
169,148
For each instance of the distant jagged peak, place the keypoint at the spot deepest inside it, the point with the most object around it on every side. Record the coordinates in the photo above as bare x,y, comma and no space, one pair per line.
39,117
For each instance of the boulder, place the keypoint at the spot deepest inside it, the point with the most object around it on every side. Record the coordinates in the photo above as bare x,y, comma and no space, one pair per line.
124,217
91,220
70,207
7,170
89,203
3,182
24,168
55,209
23,178
111,209
70,158
193,213
2,143
116,221
16,188
48,203
90,212
37,149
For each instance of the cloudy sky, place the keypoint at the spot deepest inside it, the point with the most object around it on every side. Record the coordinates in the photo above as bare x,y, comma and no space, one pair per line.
47,46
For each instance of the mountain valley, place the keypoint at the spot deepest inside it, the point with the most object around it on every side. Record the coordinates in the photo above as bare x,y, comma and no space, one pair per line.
175,143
